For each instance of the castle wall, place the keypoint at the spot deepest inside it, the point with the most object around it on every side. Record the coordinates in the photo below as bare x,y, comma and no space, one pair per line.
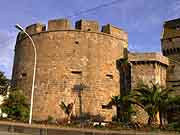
67,58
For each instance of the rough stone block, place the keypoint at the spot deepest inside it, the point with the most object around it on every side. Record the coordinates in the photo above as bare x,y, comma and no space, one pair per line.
59,24
35,28
114,31
87,25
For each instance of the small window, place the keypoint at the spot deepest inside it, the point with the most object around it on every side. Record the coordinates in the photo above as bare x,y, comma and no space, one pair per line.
177,85
23,75
170,39
109,76
76,72
77,42
178,27
106,106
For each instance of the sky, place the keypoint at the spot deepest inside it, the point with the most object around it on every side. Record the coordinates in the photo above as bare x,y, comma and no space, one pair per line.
142,19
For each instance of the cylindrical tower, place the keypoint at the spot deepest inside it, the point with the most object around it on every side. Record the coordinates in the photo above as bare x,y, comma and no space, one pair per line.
73,65
170,43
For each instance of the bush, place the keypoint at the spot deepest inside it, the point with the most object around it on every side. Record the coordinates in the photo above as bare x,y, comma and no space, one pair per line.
16,106
174,126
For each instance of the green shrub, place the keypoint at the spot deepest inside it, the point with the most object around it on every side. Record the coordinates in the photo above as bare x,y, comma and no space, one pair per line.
16,106
174,126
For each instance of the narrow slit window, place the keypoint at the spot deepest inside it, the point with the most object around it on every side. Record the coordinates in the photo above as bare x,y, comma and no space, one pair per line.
106,106
109,76
76,72
23,75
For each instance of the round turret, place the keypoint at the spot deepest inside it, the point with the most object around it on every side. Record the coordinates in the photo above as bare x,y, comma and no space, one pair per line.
73,65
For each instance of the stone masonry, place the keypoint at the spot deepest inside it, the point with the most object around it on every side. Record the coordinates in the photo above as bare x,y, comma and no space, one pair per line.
66,59
80,65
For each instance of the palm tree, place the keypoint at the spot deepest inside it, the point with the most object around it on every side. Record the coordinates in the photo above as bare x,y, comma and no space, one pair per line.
4,84
117,101
67,110
152,99
123,108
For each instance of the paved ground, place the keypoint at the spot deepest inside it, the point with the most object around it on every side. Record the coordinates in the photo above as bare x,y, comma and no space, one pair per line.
12,128
7,133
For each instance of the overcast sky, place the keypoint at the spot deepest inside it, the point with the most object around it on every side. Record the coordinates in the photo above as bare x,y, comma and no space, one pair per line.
142,19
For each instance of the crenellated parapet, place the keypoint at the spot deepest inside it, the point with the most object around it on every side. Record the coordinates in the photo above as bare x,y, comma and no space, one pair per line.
59,24
35,28
114,31
85,25
171,37
80,26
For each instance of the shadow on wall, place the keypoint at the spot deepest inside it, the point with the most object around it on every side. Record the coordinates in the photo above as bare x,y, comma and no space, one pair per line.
89,117
85,117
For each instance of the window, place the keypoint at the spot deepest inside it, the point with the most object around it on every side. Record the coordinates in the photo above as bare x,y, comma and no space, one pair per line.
109,76
77,42
76,72
106,106
23,74
178,27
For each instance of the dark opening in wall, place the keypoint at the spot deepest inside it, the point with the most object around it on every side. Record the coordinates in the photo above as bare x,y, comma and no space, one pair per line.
177,27
76,72
176,85
89,30
77,42
164,52
178,49
23,75
109,76
170,39
106,106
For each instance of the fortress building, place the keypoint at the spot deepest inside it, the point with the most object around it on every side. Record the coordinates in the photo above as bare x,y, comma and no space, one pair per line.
85,66
170,43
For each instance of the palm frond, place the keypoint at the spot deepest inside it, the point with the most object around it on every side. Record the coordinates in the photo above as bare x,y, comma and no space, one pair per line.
64,107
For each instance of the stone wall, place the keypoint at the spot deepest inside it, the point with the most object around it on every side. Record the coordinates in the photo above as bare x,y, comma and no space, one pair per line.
67,58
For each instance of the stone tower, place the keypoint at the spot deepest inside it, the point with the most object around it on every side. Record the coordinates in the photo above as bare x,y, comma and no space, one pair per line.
147,68
67,59
170,43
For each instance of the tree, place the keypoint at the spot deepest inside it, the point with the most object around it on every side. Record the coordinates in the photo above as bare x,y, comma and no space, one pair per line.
4,84
67,110
15,105
153,99
123,108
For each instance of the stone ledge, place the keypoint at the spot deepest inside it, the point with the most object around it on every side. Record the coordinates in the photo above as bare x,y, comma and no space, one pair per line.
148,57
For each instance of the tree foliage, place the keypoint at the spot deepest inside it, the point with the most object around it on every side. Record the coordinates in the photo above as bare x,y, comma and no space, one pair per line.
67,109
16,106
4,84
153,99
123,108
